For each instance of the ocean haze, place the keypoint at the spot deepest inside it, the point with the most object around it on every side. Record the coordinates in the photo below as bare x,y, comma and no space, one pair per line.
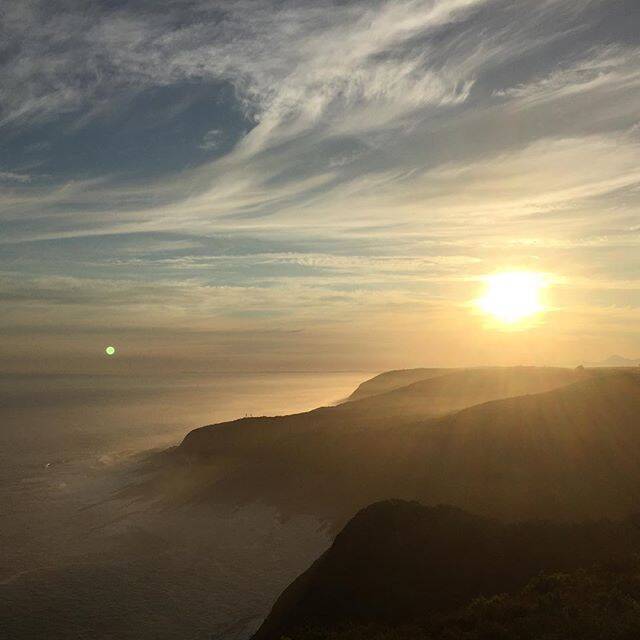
110,530
70,444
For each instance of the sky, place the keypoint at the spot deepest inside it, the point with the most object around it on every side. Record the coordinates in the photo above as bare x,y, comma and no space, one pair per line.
294,185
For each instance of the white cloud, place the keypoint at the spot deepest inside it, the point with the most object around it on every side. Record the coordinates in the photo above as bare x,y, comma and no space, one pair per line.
550,175
607,68
212,139
10,176
377,121
289,62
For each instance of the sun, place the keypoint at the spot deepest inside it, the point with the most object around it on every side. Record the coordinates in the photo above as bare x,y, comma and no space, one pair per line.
513,297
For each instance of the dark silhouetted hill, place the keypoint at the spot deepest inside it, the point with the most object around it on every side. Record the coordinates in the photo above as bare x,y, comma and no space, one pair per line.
400,563
434,396
572,452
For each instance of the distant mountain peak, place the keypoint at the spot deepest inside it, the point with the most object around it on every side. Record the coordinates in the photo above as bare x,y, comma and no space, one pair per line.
614,361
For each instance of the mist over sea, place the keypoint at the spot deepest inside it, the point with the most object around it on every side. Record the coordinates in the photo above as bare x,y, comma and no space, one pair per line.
69,444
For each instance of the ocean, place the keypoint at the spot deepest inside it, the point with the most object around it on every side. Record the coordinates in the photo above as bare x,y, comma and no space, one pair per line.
70,444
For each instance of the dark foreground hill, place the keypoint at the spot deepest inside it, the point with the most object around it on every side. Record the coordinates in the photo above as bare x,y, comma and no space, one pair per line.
400,569
569,453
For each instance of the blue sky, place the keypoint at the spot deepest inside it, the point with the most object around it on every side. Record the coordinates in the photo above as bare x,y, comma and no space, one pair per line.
315,185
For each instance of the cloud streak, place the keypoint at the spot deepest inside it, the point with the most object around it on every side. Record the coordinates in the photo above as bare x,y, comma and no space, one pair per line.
389,153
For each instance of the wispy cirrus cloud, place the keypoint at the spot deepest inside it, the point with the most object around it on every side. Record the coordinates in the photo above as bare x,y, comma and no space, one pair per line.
276,55
608,67
11,176
372,155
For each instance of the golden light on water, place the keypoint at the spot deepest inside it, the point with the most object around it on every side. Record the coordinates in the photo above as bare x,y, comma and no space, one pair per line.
513,297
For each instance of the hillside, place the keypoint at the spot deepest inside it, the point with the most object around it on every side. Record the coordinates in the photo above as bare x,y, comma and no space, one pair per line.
400,563
427,398
390,380
572,452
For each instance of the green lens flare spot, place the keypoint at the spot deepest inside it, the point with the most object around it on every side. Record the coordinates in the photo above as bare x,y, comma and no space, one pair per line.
110,350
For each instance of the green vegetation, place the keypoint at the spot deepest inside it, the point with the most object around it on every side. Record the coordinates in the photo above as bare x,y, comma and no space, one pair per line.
401,570
599,603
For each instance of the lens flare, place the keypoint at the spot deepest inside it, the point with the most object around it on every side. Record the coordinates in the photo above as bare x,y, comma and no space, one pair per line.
513,297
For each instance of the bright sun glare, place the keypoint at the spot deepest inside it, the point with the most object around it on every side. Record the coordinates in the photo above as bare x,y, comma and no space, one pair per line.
512,297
